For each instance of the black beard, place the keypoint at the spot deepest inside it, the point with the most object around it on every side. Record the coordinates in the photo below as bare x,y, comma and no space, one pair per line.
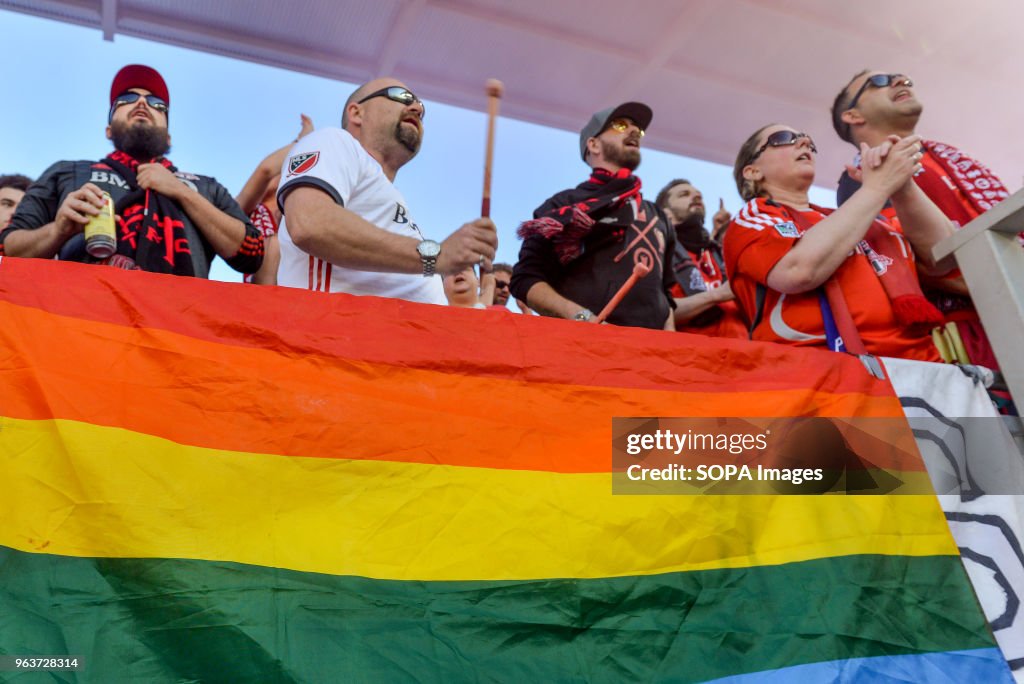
695,219
622,156
407,138
691,232
140,141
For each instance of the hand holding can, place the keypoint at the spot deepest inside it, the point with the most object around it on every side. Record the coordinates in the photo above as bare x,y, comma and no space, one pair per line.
101,231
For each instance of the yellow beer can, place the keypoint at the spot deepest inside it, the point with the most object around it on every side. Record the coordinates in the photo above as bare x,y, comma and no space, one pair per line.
101,231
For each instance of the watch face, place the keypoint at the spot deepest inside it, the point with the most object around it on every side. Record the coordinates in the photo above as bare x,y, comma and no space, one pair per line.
428,249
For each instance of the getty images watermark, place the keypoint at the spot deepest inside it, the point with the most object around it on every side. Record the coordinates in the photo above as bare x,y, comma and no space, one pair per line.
698,455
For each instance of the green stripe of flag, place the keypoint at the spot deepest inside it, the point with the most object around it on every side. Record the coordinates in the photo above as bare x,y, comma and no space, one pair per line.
169,620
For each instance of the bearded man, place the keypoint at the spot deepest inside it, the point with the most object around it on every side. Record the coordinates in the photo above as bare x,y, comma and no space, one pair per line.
712,312
583,243
167,221
345,226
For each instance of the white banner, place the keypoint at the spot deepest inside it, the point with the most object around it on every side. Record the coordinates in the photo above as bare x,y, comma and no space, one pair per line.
970,453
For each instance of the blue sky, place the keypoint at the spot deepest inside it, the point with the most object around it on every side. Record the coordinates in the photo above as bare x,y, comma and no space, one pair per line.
226,115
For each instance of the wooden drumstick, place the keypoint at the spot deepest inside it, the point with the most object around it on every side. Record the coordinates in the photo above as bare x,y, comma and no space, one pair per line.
495,90
639,271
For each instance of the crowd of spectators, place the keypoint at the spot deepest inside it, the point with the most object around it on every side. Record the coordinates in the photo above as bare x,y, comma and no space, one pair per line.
323,213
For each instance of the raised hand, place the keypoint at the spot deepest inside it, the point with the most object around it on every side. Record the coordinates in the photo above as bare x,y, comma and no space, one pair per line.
721,218
889,166
78,208
474,243
307,127
157,178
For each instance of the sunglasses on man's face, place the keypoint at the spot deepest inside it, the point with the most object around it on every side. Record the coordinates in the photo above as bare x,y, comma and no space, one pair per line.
782,139
501,284
622,125
156,103
880,81
153,101
397,94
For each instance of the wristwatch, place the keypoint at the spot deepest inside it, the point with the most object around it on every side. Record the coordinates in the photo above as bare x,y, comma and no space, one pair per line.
428,251
583,315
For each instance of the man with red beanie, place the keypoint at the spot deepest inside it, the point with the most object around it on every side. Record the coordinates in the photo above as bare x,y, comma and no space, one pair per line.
167,221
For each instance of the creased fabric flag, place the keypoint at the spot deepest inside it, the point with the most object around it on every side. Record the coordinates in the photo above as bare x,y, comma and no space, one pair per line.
215,482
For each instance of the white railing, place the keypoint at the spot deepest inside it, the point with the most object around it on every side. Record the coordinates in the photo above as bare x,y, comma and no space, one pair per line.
992,262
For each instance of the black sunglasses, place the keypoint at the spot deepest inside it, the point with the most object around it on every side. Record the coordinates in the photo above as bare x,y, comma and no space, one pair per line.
153,101
879,81
397,94
501,284
781,139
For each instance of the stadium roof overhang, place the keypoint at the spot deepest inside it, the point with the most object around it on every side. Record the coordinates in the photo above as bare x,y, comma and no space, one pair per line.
713,71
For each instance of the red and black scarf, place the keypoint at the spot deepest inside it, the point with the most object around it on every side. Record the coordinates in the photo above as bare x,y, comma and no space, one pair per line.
603,195
151,227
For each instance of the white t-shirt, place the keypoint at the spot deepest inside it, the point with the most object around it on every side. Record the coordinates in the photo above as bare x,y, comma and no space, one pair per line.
332,160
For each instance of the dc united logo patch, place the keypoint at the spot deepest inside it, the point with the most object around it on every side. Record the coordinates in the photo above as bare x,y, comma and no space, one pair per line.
301,163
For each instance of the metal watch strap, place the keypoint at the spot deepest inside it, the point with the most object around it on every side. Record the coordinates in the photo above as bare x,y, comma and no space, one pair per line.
428,251
429,265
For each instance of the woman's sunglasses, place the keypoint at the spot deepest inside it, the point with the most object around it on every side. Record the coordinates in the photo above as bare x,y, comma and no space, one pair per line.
782,139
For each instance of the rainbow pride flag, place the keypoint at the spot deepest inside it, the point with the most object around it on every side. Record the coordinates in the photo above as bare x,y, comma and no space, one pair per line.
214,482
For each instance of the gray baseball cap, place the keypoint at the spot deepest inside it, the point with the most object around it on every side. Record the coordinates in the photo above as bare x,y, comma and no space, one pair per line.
637,111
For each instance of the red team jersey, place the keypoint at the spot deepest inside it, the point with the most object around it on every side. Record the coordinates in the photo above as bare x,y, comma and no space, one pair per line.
760,235
731,323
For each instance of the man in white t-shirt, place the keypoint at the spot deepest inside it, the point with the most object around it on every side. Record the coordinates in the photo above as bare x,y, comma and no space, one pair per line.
346,228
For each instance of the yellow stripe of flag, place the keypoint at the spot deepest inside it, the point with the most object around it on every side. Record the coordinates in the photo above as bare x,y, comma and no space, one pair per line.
125,494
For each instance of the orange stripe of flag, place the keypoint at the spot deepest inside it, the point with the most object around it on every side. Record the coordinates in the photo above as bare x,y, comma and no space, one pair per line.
203,393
